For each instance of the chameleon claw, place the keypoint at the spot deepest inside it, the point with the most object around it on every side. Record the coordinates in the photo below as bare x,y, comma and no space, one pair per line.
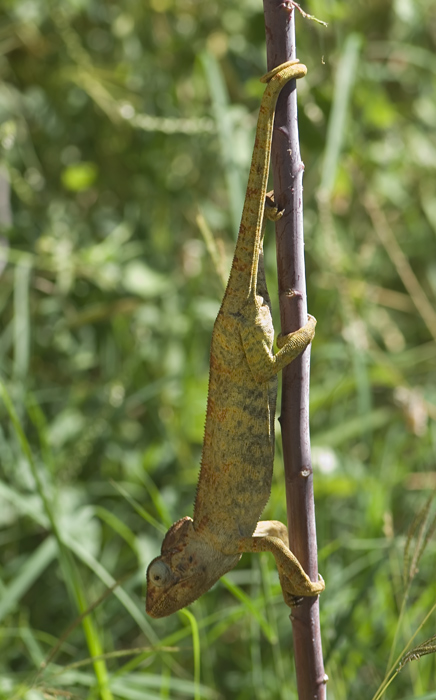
294,601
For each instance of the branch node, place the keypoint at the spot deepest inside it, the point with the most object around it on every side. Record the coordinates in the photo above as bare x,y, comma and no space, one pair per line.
291,294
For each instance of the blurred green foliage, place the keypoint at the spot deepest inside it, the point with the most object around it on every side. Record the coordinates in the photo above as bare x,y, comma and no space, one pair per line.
119,124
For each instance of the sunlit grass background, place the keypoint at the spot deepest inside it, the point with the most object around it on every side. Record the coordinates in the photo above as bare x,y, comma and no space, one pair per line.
120,124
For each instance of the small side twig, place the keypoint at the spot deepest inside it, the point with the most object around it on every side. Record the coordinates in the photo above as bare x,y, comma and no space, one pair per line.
289,5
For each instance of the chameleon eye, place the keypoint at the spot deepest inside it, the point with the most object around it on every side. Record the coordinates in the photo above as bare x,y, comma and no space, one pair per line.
159,573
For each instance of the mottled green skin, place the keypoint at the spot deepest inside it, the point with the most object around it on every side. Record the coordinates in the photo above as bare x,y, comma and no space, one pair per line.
238,450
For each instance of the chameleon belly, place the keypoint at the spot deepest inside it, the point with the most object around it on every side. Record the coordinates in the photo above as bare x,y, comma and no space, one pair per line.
238,448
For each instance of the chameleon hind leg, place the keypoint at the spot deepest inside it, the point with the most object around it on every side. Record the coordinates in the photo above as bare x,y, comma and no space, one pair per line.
293,579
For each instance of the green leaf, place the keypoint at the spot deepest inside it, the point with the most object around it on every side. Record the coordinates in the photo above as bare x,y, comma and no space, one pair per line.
31,569
142,280
79,176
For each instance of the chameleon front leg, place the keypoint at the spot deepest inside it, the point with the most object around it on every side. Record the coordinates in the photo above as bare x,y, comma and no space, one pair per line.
263,363
293,579
274,528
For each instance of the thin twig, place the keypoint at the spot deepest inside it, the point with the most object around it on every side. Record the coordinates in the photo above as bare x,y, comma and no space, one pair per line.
289,5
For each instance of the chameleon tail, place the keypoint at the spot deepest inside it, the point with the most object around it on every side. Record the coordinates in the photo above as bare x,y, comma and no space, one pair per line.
243,275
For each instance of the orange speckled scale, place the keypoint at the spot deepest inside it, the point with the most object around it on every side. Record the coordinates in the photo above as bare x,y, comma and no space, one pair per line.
238,450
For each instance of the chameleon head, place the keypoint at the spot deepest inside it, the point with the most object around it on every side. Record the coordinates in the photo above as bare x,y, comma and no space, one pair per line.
186,568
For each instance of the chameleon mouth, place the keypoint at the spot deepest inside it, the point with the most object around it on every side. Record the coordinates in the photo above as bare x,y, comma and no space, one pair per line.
154,610
163,603
155,604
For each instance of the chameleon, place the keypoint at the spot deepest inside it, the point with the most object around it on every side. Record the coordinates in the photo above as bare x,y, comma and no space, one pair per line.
238,448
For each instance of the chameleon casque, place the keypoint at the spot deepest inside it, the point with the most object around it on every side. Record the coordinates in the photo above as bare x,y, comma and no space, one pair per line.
238,449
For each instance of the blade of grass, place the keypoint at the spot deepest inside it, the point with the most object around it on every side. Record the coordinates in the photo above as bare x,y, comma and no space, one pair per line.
117,525
249,605
393,671
220,107
355,427
38,419
418,536
32,645
196,648
139,509
384,231
69,569
125,599
156,497
28,573
145,651
21,317
336,131
24,504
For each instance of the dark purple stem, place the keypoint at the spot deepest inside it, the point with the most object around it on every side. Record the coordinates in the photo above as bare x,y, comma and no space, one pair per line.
287,169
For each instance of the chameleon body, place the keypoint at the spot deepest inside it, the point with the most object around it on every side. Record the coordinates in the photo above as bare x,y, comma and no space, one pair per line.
238,449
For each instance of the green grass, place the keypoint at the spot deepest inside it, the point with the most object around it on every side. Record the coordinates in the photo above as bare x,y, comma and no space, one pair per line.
126,133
